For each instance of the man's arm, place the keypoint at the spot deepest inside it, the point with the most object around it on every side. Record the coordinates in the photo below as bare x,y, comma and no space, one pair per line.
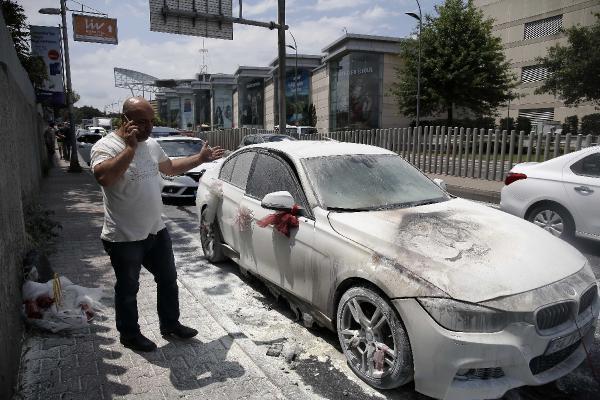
109,171
181,165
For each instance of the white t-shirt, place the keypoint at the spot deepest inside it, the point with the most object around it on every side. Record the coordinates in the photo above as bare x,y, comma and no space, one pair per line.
133,204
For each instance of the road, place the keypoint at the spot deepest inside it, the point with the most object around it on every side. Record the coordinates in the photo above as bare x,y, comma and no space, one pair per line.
318,365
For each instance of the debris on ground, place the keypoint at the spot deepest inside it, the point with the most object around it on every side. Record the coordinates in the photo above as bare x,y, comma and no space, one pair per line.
59,305
292,353
275,350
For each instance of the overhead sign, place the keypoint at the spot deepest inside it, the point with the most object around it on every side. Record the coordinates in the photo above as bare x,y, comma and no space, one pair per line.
45,43
94,29
206,18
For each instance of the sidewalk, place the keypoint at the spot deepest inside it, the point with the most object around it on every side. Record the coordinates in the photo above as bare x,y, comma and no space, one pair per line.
217,364
473,189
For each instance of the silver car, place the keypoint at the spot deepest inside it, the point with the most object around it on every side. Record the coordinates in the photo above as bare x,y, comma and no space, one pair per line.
466,300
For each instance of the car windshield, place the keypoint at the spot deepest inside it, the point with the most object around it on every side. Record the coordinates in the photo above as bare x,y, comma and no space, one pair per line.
361,182
279,138
181,148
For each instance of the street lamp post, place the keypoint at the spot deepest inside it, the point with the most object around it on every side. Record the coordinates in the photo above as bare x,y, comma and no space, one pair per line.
420,19
74,162
295,48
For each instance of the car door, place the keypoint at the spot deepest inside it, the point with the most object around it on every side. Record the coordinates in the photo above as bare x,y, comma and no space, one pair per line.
582,184
287,262
232,196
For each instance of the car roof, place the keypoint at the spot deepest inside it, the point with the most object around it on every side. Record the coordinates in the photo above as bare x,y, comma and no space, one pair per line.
177,138
164,129
320,148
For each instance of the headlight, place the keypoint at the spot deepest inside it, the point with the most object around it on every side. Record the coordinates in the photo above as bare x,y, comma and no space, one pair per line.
167,177
465,317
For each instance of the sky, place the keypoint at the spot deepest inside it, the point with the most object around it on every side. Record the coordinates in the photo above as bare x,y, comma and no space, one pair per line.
314,23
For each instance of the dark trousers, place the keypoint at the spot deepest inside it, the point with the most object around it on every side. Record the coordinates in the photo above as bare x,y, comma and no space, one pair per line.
155,253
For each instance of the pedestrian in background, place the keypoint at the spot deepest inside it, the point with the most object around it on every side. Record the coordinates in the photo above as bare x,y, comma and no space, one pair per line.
60,141
127,163
50,141
66,133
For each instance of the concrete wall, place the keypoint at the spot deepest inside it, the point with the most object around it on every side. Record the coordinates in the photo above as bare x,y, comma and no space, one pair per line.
270,105
390,114
21,157
320,97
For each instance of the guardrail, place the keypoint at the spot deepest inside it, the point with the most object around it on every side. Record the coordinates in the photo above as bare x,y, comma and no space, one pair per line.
465,152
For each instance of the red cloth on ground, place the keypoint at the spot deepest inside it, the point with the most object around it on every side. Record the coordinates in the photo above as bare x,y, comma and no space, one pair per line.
283,221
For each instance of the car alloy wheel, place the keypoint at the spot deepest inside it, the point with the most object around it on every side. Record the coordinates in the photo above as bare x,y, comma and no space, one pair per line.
554,219
373,339
210,237
550,221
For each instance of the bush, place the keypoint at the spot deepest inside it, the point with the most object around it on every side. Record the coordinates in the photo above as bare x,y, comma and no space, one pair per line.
590,124
571,125
507,123
523,124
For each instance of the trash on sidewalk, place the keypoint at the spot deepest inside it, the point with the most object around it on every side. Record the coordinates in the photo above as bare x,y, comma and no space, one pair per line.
60,305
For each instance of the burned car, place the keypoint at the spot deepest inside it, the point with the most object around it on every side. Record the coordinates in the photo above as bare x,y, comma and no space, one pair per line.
466,300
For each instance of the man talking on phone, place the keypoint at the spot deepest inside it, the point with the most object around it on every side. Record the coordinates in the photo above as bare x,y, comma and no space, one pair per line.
126,164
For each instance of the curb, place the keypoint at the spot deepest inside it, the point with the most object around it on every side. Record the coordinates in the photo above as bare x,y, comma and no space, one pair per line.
486,196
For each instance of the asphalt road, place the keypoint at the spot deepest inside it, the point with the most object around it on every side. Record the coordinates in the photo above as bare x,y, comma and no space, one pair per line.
314,358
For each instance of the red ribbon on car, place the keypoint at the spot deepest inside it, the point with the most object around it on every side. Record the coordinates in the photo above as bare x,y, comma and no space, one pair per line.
283,221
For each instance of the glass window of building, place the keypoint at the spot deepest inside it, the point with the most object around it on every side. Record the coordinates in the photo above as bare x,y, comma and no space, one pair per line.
533,73
355,83
543,27
251,102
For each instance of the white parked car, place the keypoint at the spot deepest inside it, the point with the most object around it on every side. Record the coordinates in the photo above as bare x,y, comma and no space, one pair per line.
183,186
466,300
561,195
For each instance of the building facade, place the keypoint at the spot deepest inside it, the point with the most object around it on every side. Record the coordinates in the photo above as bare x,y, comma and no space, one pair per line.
528,29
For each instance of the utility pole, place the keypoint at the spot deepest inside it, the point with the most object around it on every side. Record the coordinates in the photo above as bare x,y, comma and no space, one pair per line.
282,64
74,162
420,18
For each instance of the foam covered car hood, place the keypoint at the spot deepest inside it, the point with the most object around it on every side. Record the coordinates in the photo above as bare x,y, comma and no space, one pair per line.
470,251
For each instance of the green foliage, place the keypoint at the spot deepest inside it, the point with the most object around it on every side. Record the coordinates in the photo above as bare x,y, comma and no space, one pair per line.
507,123
157,121
41,228
523,124
573,69
16,22
462,64
571,125
590,124
312,115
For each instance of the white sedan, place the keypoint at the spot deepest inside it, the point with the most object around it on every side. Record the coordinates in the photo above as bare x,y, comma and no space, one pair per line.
466,300
561,195
183,186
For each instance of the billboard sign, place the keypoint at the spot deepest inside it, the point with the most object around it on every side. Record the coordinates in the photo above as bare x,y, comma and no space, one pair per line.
223,108
45,43
182,17
88,28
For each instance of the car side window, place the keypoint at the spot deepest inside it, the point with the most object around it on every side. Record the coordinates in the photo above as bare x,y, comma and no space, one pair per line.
227,170
588,166
270,174
241,170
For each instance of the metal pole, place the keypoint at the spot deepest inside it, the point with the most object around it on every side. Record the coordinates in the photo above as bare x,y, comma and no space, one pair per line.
282,63
74,164
419,66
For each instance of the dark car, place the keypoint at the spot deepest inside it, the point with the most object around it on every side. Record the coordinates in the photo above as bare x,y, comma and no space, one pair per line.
263,138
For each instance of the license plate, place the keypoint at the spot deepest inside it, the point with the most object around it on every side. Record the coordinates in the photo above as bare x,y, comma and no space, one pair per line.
562,342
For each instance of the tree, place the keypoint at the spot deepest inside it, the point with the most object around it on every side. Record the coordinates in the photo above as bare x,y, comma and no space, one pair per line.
590,124
573,69
16,22
523,124
571,125
462,64
312,115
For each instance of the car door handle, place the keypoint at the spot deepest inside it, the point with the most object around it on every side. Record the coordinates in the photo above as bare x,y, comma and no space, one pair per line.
583,190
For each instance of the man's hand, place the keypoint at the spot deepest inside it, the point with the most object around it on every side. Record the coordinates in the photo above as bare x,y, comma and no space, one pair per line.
128,132
210,153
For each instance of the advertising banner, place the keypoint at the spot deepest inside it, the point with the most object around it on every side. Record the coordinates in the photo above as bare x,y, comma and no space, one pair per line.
87,28
188,115
45,43
223,108
251,95
297,93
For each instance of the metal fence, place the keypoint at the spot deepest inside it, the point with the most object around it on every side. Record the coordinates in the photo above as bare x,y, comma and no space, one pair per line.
465,152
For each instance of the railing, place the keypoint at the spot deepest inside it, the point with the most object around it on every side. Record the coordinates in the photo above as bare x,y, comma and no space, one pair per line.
465,152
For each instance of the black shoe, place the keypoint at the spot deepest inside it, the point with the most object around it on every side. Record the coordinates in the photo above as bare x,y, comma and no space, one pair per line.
179,331
138,342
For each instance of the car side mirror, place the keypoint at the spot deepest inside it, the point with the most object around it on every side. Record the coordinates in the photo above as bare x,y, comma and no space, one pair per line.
280,201
440,183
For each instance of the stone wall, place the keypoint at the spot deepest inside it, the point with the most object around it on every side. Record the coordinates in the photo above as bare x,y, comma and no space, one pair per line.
21,157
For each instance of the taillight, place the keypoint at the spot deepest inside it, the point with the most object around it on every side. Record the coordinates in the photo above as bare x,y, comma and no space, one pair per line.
513,177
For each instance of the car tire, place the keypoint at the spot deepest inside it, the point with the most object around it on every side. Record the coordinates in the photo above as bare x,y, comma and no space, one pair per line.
380,334
554,219
211,239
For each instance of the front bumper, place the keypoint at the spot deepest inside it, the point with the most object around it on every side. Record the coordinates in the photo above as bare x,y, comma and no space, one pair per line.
182,187
439,355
